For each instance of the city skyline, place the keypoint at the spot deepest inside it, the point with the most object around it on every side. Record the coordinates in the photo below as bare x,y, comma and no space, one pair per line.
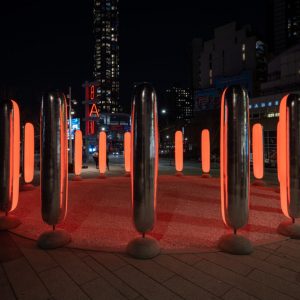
154,42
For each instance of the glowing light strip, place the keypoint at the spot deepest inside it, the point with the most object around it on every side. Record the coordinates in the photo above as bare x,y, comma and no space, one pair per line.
283,159
78,152
223,157
102,152
127,148
15,154
205,151
258,151
179,151
28,153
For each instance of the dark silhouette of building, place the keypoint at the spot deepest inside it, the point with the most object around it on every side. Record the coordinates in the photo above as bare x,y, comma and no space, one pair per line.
285,24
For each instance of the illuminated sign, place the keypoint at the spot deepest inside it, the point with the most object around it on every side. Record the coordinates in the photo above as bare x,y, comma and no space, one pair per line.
94,111
92,92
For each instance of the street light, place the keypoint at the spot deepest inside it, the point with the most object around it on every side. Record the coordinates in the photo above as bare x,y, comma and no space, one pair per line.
163,111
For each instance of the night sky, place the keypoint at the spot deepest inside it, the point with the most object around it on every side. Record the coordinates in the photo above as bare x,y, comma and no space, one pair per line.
49,44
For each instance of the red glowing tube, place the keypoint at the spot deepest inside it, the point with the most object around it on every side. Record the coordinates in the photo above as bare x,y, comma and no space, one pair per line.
15,154
127,147
179,151
258,151
278,150
78,153
28,153
205,151
102,152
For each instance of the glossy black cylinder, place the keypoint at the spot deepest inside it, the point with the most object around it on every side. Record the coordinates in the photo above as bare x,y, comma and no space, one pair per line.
54,158
144,157
235,164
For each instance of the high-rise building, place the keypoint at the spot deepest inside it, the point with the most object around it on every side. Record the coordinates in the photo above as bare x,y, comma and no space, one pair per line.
178,103
285,24
106,55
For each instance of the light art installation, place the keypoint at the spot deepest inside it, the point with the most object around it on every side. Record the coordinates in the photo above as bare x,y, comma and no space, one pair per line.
289,163
54,168
144,170
9,162
235,168
179,151
205,153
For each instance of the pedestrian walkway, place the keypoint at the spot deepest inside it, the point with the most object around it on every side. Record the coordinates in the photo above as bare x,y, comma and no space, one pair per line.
271,272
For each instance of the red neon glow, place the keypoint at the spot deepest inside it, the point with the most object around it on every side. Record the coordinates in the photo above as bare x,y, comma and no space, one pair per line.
178,151
15,154
91,127
223,157
283,158
102,152
28,152
92,93
94,111
127,148
278,149
156,156
258,151
205,151
78,153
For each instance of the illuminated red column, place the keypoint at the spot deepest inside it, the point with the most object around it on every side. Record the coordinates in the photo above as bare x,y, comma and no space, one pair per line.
127,149
235,168
102,153
258,152
179,151
77,154
289,163
9,162
54,169
205,153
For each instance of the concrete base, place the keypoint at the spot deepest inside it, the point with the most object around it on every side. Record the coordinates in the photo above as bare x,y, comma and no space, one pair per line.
54,239
258,182
235,244
127,174
289,229
77,178
179,174
143,248
9,222
102,176
205,175
26,187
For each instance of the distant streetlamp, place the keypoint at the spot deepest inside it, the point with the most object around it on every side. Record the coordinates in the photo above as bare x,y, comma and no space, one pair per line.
163,111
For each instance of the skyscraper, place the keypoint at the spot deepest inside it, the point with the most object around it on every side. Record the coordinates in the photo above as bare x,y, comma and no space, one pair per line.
285,24
106,55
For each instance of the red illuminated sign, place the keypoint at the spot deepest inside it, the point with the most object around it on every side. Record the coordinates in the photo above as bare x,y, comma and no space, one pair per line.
92,92
91,127
94,111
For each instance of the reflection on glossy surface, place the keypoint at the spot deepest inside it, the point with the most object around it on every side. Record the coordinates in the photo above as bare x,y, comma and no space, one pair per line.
9,155
144,157
54,158
234,149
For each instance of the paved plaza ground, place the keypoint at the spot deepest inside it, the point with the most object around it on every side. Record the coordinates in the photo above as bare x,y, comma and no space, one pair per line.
272,271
